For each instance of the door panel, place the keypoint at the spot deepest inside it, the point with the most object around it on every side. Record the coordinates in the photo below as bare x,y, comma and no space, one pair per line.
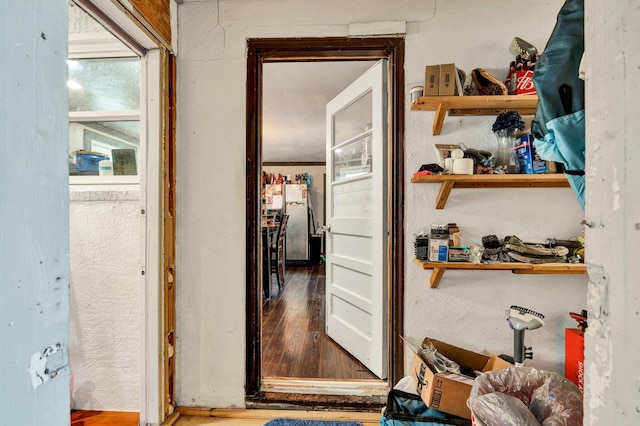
356,241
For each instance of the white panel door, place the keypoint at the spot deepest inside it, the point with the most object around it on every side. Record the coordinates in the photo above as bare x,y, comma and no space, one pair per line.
356,240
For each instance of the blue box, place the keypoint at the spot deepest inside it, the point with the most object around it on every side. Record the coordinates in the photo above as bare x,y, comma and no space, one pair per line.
87,163
527,157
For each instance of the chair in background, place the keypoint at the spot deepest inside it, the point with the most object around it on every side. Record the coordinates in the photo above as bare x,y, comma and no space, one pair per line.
276,251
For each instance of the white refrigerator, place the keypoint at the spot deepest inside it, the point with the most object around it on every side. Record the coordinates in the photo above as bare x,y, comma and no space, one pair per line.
297,234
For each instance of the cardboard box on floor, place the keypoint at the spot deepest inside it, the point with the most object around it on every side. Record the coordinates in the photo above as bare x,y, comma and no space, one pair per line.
448,392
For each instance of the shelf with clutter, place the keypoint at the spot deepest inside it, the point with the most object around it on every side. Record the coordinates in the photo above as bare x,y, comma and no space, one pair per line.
448,89
515,163
440,250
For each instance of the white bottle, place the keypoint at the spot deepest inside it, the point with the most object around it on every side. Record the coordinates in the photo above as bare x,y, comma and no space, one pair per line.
105,168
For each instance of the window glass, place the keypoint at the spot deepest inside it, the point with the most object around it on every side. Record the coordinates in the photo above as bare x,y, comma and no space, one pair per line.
104,104
104,84
352,159
351,121
115,142
351,152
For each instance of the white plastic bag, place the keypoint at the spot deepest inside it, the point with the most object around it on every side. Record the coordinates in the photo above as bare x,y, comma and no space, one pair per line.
524,396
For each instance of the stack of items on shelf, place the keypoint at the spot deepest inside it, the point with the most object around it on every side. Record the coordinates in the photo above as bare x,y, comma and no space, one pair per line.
443,80
520,78
515,153
513,249
443,244
448,80
421,246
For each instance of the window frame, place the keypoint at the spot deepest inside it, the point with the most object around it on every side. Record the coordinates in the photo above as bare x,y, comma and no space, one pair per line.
96,48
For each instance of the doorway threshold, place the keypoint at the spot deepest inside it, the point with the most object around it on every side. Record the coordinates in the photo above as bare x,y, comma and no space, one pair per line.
365,388
320,394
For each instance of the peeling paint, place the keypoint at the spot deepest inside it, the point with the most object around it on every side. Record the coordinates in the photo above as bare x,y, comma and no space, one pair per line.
598,301
40,374
599,373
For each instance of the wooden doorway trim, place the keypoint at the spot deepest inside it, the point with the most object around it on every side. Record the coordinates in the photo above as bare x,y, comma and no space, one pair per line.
323,49
169,237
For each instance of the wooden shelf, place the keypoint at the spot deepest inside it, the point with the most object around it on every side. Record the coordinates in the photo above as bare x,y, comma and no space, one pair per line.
473,105
552,180
439,268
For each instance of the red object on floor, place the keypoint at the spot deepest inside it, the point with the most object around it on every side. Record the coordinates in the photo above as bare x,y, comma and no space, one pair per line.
574,356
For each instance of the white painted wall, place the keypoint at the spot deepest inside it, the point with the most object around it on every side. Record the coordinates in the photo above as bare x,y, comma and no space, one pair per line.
613,210
34,214
468,308
105,306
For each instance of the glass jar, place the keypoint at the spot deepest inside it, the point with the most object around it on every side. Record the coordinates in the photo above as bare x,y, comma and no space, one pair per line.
505,156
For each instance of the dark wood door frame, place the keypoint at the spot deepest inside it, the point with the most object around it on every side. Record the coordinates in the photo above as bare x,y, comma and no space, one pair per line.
323,49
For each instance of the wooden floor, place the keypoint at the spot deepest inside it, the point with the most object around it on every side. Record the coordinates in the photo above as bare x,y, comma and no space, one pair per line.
103,418
294,344
231,417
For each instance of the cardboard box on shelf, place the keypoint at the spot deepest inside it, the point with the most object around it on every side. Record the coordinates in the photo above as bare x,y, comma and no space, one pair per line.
431,80
525,83
522,84
448,77
459,254
448,392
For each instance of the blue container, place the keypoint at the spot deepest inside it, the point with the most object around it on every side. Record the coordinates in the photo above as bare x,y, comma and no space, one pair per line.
88,163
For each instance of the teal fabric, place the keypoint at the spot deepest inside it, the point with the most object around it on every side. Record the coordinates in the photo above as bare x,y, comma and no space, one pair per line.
407,409
565,143
558,126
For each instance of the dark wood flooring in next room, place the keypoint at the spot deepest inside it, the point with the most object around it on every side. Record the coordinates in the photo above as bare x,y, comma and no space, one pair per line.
293,339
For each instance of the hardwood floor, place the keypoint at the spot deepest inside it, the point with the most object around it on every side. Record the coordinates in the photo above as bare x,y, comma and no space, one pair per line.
103,418
293,341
